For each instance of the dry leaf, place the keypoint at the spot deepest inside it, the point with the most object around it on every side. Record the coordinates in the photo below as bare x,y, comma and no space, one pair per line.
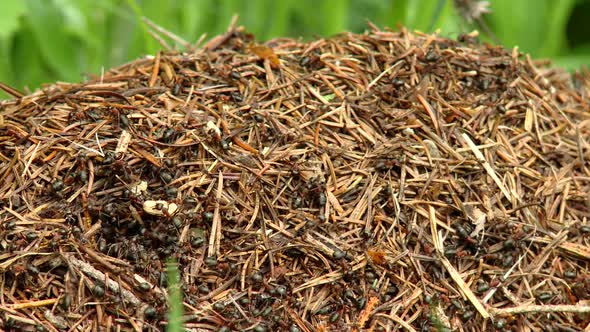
478,219
377,256
266,53
160,208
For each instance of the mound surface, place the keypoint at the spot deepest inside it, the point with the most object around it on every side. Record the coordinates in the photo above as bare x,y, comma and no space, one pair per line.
383,181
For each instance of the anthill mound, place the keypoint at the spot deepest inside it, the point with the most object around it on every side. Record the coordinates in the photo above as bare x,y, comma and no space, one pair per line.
382,181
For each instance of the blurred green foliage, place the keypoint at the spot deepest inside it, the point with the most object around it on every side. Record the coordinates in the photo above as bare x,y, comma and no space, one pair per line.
43,41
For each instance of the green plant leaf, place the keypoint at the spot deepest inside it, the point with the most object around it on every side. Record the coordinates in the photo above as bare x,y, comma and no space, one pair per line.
578,57
392,12
192,19
125,37
142,39
31,71
164,16
447,20
572,62
6,72
524,23
335,16
279,18
253,15
58,50
225,10
303,23
70,37
555,42
420,14
10,12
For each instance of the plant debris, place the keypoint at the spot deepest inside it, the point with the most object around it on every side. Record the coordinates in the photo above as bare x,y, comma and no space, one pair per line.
379,181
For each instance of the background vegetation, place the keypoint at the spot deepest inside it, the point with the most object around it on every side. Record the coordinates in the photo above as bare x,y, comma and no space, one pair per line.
43,41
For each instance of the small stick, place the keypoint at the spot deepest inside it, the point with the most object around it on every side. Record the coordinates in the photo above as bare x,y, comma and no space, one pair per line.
452,271
99,276
487,166
215,236
155,70
167,33
528,308
33,304
11,91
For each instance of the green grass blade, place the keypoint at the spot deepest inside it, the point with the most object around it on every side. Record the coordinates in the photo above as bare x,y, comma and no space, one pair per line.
175,298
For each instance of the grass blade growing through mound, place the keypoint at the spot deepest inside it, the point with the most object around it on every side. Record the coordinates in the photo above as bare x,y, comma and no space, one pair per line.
174,298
